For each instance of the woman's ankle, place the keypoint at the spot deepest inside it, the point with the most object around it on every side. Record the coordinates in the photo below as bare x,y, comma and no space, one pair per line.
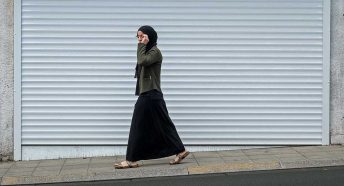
182,152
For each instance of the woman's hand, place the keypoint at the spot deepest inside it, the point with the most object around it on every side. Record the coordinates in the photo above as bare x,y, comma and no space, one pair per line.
145,39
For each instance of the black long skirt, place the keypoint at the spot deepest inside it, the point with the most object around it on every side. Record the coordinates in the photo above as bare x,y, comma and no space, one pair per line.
152,133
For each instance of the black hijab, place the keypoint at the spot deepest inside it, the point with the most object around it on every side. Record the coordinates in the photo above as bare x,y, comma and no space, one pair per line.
153,37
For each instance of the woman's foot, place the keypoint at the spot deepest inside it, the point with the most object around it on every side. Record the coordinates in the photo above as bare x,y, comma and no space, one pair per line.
179,157
126,164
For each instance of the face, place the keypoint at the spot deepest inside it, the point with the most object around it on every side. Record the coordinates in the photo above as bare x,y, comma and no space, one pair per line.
139,36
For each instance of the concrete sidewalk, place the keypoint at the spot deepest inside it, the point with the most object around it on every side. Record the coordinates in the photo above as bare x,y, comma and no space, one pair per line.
100,168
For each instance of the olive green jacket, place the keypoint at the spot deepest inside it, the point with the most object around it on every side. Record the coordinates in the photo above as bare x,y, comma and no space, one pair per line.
151,67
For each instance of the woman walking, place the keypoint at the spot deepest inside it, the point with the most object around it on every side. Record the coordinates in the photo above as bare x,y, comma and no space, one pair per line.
152,133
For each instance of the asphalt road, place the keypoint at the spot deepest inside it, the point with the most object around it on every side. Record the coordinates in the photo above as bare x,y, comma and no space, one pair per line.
323,176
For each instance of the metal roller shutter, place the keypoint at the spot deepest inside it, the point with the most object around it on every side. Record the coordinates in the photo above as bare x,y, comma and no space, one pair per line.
247,72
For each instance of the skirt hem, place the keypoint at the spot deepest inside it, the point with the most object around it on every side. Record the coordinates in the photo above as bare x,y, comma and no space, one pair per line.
162,154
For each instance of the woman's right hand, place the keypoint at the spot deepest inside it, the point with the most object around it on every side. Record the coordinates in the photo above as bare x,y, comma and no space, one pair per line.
145,39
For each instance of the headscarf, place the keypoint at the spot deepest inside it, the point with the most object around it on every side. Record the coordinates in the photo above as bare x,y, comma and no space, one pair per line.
153,37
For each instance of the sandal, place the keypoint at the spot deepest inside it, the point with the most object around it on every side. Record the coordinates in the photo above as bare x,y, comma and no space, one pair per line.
180,157
126,165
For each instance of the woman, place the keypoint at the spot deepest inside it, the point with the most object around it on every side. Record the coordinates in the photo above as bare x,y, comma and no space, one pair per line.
152,133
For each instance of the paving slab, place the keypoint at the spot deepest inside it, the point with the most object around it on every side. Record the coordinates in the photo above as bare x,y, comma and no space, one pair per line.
19,169
234,167
256,151
24,164
2,172
6,165
74,169
99,165
260,156
103,160
76,161
310,153
209,161
297,155
231,153
22,173
336,152
308,149
51,168
206,155
292,159
101,168
46,173
262,160
48,163
236,158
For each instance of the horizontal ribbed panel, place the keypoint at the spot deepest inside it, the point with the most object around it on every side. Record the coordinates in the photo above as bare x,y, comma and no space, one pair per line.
234,72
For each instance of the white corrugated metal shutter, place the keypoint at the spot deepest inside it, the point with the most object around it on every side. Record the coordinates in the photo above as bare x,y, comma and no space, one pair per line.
234,72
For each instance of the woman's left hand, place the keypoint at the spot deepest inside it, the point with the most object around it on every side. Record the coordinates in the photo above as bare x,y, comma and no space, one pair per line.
145,39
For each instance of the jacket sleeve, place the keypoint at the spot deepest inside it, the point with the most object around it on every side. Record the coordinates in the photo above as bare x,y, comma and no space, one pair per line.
151,57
